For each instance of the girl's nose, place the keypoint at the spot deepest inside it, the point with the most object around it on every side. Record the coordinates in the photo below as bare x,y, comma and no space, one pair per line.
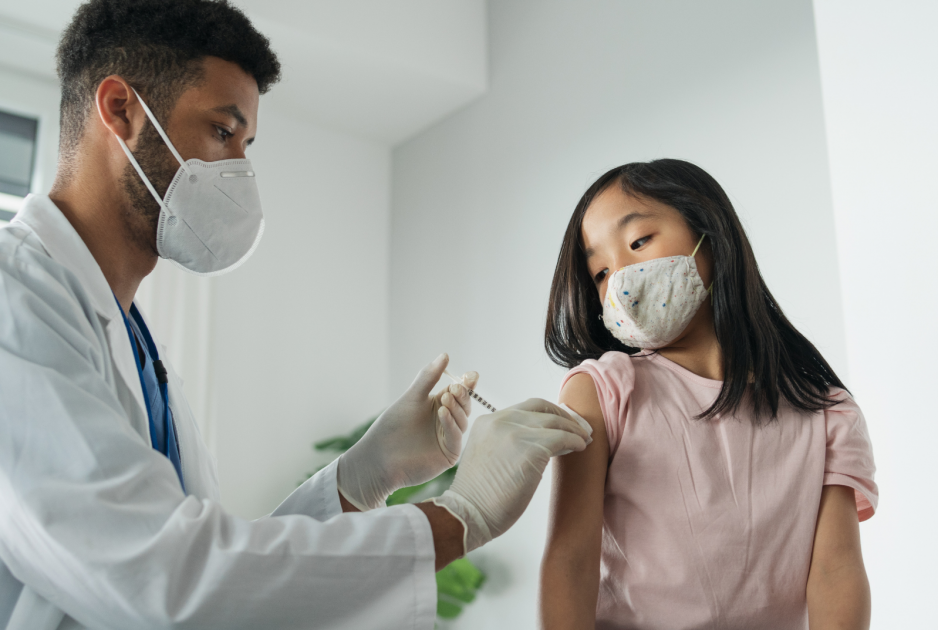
603,287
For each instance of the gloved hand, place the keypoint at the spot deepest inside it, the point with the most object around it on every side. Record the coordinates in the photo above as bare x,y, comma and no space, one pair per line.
413,441
504,460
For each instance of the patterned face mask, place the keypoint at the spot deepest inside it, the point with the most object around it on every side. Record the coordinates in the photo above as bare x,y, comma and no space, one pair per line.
649,305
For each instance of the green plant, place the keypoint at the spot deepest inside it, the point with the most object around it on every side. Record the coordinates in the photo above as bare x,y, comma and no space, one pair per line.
458,583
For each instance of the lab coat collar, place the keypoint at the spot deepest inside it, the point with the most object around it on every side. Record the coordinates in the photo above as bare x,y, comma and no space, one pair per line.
68,249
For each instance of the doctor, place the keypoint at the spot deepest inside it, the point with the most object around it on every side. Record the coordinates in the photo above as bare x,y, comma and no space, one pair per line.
109,512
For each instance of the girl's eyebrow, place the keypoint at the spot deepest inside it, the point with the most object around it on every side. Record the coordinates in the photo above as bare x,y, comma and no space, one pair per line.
632,216
624,221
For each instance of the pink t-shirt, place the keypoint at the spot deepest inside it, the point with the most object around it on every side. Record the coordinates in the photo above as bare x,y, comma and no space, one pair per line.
710,524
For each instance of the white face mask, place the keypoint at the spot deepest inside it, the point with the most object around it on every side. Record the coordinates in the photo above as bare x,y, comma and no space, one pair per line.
211,219
649,305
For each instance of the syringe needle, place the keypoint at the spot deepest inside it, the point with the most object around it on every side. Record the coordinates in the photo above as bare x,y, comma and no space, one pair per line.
474,395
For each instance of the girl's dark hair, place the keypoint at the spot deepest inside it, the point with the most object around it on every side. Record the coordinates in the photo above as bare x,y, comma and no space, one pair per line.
764,357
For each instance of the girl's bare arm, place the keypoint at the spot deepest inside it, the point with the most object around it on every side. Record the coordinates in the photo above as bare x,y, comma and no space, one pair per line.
838,589
570,567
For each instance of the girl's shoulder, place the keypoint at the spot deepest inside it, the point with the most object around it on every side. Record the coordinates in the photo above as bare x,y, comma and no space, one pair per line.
613,374
616,371
844,402
849,452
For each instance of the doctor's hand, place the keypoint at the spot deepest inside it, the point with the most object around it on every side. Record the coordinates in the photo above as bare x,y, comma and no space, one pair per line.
504,460
413,441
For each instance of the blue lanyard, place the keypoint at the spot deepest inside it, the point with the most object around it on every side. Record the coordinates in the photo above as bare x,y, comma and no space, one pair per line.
172,448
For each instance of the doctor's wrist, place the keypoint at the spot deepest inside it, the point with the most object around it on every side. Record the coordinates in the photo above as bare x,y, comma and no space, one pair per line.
448,533
360,482
347,506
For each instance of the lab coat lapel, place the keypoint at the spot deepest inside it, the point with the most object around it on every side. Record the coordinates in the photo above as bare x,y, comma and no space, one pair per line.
67,248
122,354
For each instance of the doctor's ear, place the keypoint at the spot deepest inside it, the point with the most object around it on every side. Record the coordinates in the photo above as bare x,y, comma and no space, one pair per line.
119,108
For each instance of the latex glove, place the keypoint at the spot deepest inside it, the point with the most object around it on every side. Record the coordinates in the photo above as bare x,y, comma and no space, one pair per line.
505,457
413,441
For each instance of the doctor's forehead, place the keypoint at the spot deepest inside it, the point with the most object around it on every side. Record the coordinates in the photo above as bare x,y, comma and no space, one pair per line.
225,89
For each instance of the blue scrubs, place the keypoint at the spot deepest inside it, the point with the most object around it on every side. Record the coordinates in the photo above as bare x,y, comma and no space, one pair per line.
155,389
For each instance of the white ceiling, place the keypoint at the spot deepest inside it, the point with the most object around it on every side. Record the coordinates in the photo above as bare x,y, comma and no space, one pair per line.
380,69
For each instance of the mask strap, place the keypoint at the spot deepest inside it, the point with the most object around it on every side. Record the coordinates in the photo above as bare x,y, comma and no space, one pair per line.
710,290
698,245
133,162
163,135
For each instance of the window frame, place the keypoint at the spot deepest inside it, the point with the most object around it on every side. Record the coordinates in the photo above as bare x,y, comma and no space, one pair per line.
26,127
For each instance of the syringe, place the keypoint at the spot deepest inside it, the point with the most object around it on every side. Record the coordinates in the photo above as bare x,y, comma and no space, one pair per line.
474,395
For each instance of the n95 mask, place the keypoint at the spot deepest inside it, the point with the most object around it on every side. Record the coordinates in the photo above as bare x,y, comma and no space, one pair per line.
210,219
649,305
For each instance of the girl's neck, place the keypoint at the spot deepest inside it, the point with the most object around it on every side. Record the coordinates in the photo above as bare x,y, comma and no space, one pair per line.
697,349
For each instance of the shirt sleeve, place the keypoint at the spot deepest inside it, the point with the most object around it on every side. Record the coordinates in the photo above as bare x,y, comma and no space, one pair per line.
849,456
317,497
93,520
614,377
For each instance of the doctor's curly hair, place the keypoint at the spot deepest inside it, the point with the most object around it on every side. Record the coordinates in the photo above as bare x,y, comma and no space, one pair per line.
156,46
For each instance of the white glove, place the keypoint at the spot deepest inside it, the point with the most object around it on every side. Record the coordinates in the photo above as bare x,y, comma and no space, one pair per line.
504,460
413,441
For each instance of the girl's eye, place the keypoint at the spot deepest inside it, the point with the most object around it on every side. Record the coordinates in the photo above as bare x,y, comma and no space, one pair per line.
599,276
640,242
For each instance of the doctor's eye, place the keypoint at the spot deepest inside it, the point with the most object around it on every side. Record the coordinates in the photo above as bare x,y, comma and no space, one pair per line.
223,133
640,242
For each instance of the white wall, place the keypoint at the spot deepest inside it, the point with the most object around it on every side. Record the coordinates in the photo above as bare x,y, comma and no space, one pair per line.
370,68
480,201
878,65
300,344
376,69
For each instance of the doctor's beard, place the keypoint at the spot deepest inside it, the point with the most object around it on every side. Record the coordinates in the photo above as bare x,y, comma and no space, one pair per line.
142,214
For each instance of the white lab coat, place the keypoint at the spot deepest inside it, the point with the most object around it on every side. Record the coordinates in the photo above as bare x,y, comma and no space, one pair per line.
95,531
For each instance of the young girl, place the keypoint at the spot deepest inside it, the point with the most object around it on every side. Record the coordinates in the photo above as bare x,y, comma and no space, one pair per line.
729,467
